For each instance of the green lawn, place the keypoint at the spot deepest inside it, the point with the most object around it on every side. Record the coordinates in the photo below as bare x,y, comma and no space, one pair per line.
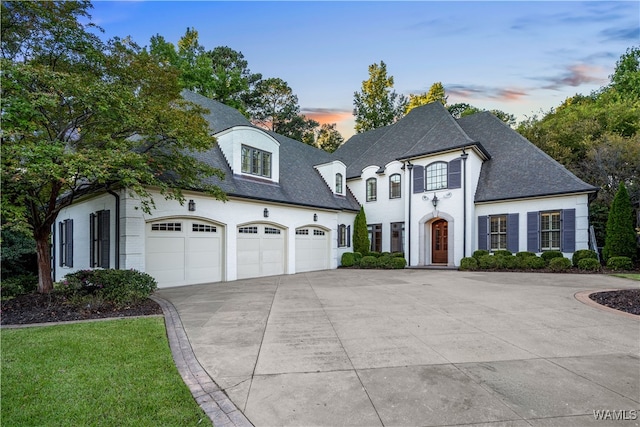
112,373
632,276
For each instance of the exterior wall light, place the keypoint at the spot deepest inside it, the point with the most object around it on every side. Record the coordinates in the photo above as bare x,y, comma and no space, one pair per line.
435,200
315,217
266,213
192,206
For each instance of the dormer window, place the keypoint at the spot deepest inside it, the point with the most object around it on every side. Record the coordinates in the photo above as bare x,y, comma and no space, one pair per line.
338,183
256,162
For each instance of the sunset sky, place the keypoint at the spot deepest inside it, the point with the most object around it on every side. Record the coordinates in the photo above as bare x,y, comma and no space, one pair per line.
520,57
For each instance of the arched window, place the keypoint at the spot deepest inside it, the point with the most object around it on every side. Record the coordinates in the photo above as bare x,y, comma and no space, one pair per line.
339,183
435,176
394,186
372,190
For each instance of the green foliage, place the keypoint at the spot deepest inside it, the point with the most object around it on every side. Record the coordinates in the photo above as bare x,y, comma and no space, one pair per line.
621,236
436,94
618,263
348,259
502,253
468,263
18,285
328,138
488,262
369,262
385,261
480,253
375,254
513,262
398,254
547,256
18,255
360,233
533,262
377,105
525,254
559,264
357,257
398,262
589,264
583,254
120,287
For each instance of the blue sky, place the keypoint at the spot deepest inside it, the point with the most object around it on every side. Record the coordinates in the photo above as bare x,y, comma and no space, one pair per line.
520,57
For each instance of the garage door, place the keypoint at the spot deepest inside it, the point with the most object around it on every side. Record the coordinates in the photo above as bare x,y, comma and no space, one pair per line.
312,249
184,252
261,251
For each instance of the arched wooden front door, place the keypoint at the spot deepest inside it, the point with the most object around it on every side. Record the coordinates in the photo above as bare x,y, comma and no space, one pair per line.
439,242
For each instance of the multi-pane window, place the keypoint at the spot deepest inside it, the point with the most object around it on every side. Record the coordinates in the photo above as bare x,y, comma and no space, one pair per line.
339,183
271,230
397,237
394,186
375,237
344,234
248,230
498,232
372,190
99,236
302,232
66,243
256,162
166,226
435,176
550,231
203,228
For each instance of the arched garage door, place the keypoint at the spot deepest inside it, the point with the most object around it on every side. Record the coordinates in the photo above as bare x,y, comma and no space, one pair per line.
184,252
261,250
312,249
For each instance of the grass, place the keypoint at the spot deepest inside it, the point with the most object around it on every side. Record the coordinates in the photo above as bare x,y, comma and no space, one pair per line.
632,276
112,373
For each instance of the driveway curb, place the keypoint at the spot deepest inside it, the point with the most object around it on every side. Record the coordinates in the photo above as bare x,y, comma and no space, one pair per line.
583,297
215,403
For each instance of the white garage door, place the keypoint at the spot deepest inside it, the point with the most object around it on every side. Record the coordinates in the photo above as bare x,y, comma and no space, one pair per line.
184,252
312,249
261,251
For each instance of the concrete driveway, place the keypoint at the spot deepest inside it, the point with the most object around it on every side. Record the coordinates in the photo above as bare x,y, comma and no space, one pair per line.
416,348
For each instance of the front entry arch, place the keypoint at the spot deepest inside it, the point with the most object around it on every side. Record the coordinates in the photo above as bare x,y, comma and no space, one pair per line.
426,235
439,242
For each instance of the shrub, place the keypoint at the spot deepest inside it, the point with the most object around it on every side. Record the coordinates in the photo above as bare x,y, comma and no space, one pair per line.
590,264
583,254
479,253
549,255
487,262
18,285
620,239
348,259
533,262
502,253
525,254
398,262
357,257
468,263
361,233
385,261
374,254
559,264
513,262
398,254
120,287
369,262
619,263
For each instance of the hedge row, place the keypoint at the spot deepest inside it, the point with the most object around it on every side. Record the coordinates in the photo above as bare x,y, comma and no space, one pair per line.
384,260
552,260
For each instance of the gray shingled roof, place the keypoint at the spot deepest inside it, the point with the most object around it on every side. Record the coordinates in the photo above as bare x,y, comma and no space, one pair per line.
517,168
300,183
425,130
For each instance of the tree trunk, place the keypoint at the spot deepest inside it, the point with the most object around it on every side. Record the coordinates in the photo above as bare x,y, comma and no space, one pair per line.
43,250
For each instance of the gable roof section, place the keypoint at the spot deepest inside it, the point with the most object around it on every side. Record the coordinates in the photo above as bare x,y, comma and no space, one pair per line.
300,183
517,168
425,130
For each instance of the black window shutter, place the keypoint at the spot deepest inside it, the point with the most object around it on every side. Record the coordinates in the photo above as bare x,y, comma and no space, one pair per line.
418,179
482,232
568,221
455,173
533,231
69,242
92,239
61,238
512,233
348,236
104,239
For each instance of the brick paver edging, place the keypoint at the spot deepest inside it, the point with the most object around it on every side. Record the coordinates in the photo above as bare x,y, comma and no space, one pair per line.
583,297
215,403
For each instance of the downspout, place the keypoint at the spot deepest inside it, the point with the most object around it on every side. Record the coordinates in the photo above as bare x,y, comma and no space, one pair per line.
410,167
117,197
464,156
52,252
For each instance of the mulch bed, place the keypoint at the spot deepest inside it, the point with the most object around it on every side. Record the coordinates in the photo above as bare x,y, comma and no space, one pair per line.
46,308
627,300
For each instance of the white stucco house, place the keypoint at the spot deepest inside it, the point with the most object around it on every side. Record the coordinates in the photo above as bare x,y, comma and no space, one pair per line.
433,187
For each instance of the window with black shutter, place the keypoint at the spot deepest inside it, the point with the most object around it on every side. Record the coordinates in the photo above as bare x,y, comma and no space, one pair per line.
100,239
66,243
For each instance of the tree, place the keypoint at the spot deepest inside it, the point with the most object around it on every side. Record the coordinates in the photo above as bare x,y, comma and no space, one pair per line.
626,77
621,236
436,94
361,241
80,115
377,105
329,139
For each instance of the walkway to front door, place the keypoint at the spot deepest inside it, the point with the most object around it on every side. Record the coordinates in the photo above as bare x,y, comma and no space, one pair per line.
439,242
